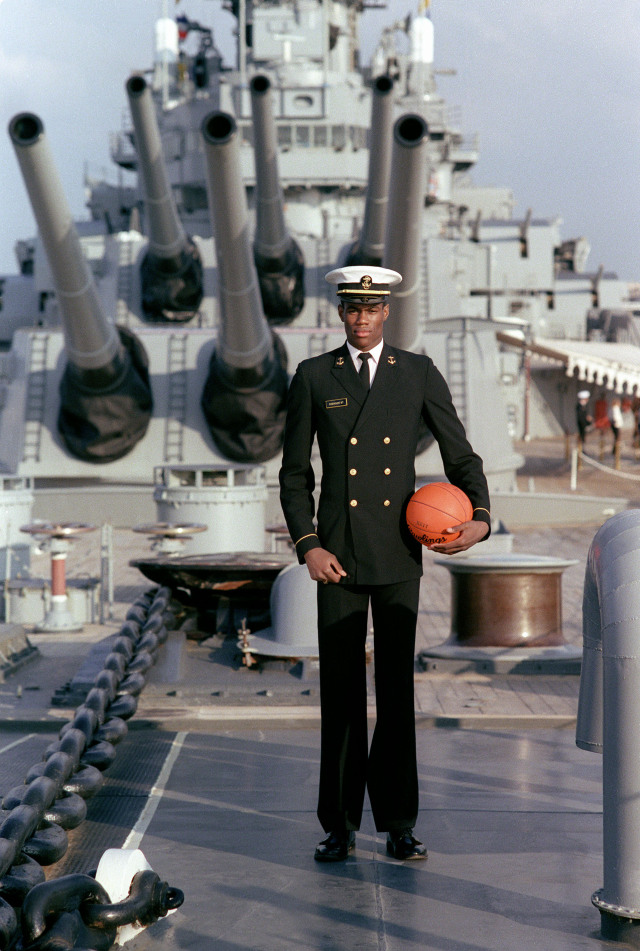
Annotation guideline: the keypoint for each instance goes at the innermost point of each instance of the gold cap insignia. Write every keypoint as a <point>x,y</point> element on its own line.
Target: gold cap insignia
<point>366,282</point>
<point>391,361</point>
<point>340,362</point>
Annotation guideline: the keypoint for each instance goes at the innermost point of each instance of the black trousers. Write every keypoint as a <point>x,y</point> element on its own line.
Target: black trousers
<point>347,767</point>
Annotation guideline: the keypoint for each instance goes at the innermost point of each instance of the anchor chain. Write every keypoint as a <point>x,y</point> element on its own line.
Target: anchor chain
<point>35,816</point>
<point>75,911</point>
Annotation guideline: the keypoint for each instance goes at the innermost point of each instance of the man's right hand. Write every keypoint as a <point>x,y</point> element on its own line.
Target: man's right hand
<point>323,566</point>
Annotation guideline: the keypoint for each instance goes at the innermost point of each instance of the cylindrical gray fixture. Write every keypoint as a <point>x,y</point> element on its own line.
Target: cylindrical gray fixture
<point>167,238</point>
<point>371,244</point>
<point>230,500</point>
<point>403,236</point>
<point>608,713</point>
<point>91,341</point>
<point>244,339</point>
<point>271,238</point>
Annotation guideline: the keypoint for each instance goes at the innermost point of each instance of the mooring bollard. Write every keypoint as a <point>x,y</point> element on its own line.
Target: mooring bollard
<point>607,714</point>
<point>506,614</point>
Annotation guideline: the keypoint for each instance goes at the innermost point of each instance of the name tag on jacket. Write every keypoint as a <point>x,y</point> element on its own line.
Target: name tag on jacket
<point>334,404</point>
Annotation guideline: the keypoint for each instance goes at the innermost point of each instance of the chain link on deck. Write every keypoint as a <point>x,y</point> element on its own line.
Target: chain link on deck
<point>75,911</point>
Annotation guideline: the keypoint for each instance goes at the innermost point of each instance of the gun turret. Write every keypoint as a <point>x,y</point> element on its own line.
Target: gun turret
<point>369,247</point>
<point>402,239</point>
<point>244,396</point>
<point>105,395</point>
<point>171,271</point>
<point>277,255</point>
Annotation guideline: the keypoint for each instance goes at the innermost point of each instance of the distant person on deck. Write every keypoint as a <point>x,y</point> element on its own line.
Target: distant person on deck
<point>584,420</point>
<point>635,434</point>
<point>615,418</point>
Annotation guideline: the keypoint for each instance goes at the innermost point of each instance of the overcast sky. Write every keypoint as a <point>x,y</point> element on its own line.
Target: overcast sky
<point>550,86</point>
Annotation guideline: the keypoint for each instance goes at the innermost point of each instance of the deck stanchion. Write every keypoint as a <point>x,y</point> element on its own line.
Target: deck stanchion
<point>58,538</point>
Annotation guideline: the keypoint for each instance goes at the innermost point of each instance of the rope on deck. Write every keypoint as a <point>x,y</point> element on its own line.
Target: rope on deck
<point>614,472</point>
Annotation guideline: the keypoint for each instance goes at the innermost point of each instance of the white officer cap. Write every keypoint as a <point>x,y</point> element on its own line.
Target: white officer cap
<point>584,395</point>
<point>362,283</point>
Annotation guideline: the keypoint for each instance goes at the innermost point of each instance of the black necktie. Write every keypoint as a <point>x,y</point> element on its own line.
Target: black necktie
<point>363,372</point>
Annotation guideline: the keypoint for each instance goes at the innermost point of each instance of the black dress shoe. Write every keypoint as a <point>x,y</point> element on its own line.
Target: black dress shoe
<point>403,845</point>
<point>335,847</point>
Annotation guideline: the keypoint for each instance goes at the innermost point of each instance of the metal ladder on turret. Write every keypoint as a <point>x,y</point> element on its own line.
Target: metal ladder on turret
<point>35,397</point>
<point>176,398</point>
<point>424,286</point>
<point>125,282</point>
<point>457,372</point>
<point>318,341</point>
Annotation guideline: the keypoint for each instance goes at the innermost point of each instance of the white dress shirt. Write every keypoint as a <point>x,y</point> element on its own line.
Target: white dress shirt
<point>373,362</point>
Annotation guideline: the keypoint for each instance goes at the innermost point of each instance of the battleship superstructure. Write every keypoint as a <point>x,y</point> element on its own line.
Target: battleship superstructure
<point>163,330</point>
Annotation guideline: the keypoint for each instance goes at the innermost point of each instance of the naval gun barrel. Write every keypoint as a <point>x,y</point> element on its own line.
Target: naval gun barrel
<point>278,257</point>
<point>369,247</point>
<point>245,392</point>
<point>171,272</point>
<point>105,395</point>
<point>404,227</point>
<point>91,342</point>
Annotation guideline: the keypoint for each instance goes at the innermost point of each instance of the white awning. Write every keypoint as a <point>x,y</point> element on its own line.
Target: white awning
<point>615,366</point>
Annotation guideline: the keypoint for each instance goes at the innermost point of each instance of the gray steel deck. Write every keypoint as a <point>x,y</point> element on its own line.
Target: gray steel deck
<point>511,818</point>
<point>510,808</point>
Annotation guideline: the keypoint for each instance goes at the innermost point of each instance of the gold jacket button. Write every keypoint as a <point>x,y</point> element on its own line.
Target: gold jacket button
<point>353,441</point>
<point>353,471</point>
<point>387,502</point>
<point>387,440</point>
<point>387,471</point>
<point>353,503</point>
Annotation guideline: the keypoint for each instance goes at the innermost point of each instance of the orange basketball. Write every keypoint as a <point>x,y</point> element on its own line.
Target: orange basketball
<point>434,507</point>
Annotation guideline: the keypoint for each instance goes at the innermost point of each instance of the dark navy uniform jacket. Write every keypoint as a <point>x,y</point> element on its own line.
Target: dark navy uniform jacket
<point>367,446</point>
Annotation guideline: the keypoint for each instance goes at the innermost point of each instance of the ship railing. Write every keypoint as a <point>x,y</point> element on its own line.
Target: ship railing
<point>122,151</point>
<point>307,134</point>
<point>311,134</point>
<point>308,102</point>
<point>465,144</point>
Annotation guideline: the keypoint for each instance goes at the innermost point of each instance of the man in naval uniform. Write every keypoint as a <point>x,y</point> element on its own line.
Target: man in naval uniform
<point>365,403</point>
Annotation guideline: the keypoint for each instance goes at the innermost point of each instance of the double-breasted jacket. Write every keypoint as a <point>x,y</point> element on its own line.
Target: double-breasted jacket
<point>367,445</point>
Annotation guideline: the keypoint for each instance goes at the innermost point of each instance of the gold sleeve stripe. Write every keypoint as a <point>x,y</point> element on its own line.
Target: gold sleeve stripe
<point>310,535</point>
<point>480,509</point>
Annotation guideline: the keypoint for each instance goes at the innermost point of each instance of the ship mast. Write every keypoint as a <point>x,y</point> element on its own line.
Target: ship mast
<point>164,63</point>
<point>242,41</point>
